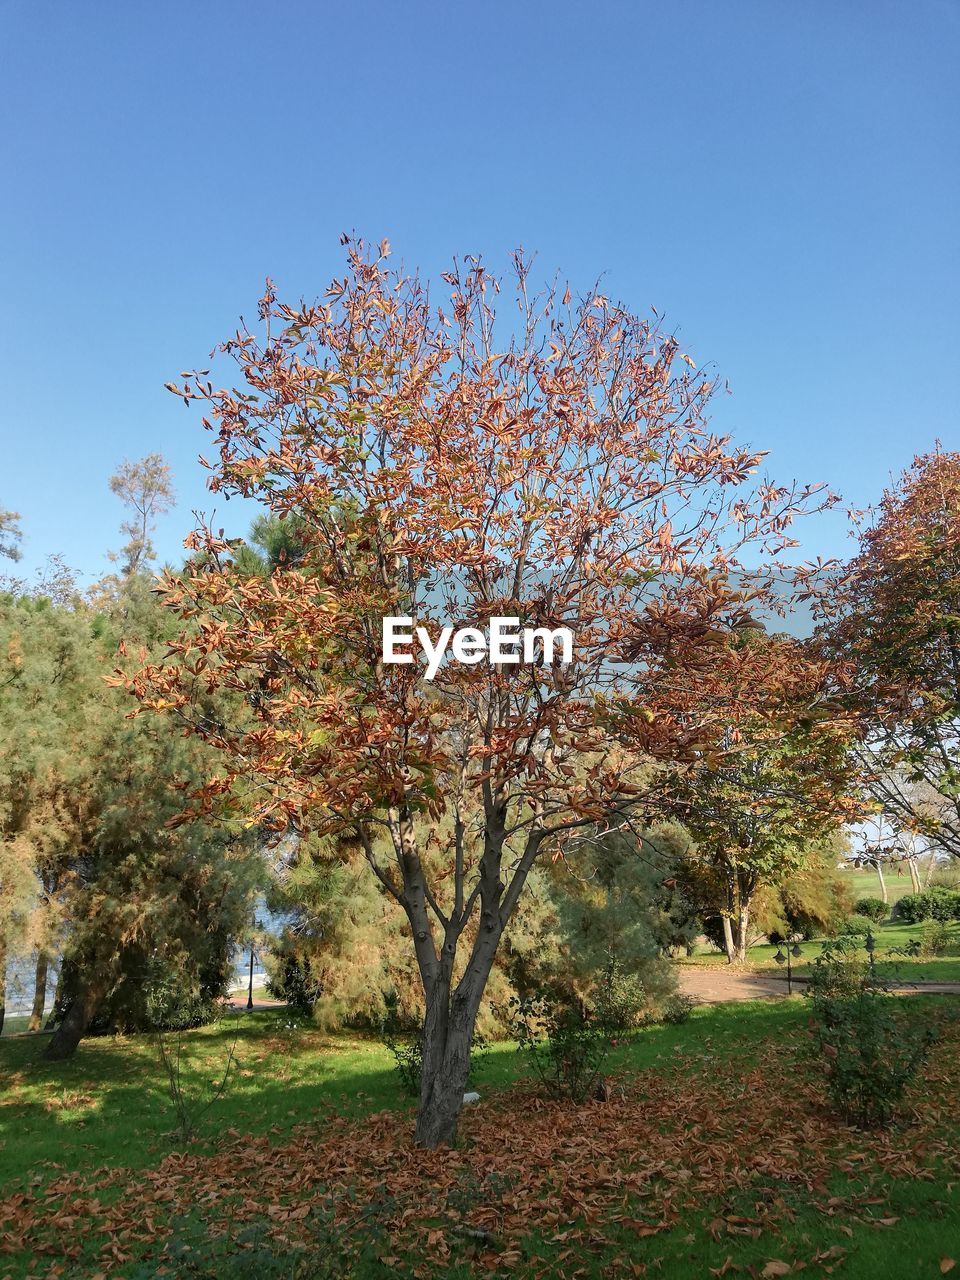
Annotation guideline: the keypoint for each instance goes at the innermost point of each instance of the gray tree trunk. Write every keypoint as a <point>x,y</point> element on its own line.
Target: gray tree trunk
<point>728,939</point>
<point>57,997</point>
<point>3,981</point>
<point>39,993</point>
<point>883,884</point>
<point>64,1041</point>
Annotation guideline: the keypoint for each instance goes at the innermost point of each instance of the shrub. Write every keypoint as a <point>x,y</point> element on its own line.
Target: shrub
<point>291,980</point>
<point>855,927</point>
<point>869,1055</point>
<point>621,997</point>
<point>404,1039</point>
<point>676,1009</point>
<point>189,1107</point>
<point>565,1042</point>
<point>935,938</point>
<point>874,909</point>
<point>934,904</point>
<point>840,970</point>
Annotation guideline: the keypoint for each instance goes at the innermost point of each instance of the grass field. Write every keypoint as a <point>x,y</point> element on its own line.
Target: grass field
<point>889,938</point>
<point>865,884</point>
<point>714,1145</point>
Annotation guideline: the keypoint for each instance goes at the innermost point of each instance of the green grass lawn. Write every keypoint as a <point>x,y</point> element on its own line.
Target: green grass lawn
<point>889,937</point>
<point>714,1145</point>
<point>865,884</point>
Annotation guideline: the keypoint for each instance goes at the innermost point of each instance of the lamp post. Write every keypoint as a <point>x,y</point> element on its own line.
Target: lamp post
<point>780,958</point>
<point>871,945</point>
<point>252,954</point>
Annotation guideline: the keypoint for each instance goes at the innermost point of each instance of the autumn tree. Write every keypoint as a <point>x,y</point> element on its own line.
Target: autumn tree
<point>445,465</point>
<point>47,673</point>
<point>145,488</point>
<point>894,616</point>
<point>10,534</point>
<point>782,784</point>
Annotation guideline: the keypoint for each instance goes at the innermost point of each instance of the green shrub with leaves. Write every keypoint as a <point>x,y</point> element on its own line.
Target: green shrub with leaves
<point>934,904</point>
<point>936,938</point>
<point>874,909</point>
<point>676,1009</point>
<point>869,1055</point>
<point>856,927</point>
<point>565,1041</point>
<point>621,997</point>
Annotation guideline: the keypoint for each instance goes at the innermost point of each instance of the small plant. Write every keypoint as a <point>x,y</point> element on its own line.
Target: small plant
<point>869,1056</point>
<point>676,1008</point>
<point>855,926</point>
<point>407,1053</point>
<point>620,997</point>
<point>874,909</point>
<point>936,937</point>
<point>189,1111</point>
<point>405,1042</point>
<point>566,1043</point>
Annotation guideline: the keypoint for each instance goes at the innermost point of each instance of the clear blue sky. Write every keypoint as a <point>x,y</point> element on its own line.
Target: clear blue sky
<point>780,179</point>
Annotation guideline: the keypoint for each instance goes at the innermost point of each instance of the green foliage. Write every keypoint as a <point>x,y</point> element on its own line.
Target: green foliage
<point>290,980</point>
<point>565,1042</point>
<point>869,1056</point>
<point>621,998</point>
<point>934,904</point>
<point>614,910</point>
<point>874,909</point>
<point>936,938</point>
<point>855,926</point>
<point>676,1009</point>
<point>169,1008</point>
<point>343,951</point>
<point>91,804</point>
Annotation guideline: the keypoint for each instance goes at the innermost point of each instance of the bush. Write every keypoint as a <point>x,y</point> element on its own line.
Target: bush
<point>934,904</point>
<point>291,980</point>
<point>676,1009</point>
<point>936,938</point>
<point>621,997</point>
<point>565,1042</point>
<point>874,909</point>
<point>855,927</point>
<point>869,1055</point>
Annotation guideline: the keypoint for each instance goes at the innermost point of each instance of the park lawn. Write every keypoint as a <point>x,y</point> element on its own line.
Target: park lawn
<point>889,937</point>
<point>715,1144</point>
<point>865,884</point>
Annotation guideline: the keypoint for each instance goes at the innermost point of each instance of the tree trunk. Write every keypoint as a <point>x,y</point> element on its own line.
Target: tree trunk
<point>446,1068</point>
<point>743,926</point>
<point>39,993</point>
<point>914,874</point>
<point>3,981</point>
<point>883,884</point>
<point>57,997</point>
<point>728,939</point>
<point>64,1041</point>
<point>447,1036</point>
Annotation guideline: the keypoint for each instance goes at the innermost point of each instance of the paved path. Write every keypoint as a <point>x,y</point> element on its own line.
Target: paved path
<point>715,985</point>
